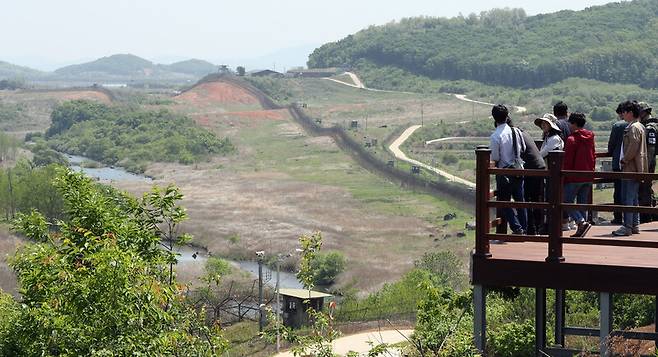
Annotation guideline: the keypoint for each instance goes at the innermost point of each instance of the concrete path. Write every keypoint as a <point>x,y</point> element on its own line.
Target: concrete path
<point>359,342</point>
<point>463,97</point>
<point>395,149</point>
<point>451,138</point>
<point>360,84</point>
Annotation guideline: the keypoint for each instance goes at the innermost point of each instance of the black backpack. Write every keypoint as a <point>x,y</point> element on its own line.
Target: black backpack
<point>652,132</point>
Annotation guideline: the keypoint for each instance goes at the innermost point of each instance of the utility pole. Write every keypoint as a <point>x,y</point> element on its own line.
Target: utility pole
<point>473,118</point>
<point>422,119</point>
<point>278,307</point>
<point>11,195</point>
<point>261,307</point>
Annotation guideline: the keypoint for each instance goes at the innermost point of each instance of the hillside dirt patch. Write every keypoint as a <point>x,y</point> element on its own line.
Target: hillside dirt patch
<point>85,95</point>
<point>36,107</point>
<point>217,92</point>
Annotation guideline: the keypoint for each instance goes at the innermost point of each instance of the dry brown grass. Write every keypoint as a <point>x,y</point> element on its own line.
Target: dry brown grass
<point>269,211</point>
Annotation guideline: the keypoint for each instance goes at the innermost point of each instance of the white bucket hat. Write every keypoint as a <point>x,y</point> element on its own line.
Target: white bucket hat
<point>550,119</point>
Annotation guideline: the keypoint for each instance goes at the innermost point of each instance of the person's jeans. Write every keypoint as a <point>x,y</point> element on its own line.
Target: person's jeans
<point>629,191</point>
<point>617,198</point>
<point>508,188</point>
<point>532,189</point>
<point>579,191</point>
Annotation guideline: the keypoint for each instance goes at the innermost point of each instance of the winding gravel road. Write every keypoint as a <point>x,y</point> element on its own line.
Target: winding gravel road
<point>395,149</point>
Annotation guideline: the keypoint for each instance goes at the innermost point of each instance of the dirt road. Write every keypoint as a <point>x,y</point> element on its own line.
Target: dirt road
<point>451,138</point>
<point>395,149</point>
<point>360,85</point>
<point>519,110</point>
<point>359,342</point>
<point>462,97</point>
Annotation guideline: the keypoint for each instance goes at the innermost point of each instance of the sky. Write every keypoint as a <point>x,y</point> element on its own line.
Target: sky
<point>47,34</point>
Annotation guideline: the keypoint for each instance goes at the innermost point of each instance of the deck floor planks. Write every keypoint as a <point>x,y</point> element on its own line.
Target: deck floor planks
<point>588,254</point>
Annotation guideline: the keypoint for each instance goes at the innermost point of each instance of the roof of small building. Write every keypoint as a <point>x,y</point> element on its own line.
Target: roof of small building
<point>315,70</point>
<point>303,293</point>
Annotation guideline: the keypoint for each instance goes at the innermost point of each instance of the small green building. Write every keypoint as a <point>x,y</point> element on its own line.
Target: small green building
<point>294,308</point>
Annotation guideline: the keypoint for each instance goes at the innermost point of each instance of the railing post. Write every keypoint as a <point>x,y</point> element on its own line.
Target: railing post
<point>482,222</point>
<point>555,211</point>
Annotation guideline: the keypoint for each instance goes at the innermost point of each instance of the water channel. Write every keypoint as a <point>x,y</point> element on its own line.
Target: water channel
<point>103,173</point>
<point>188,255</point>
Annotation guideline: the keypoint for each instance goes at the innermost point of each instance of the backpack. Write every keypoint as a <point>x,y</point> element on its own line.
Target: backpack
<point>652,131</point>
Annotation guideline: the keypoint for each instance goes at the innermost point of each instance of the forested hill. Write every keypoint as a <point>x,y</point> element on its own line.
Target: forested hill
<point>8,70</point>
<point>617,42</point>
<point>131,65</point>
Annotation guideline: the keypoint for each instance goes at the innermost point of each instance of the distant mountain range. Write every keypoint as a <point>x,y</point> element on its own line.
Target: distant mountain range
<point>8,70</point>
<point>115,67</point>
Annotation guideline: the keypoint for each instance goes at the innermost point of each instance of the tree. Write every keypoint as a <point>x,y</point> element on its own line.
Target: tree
<point>326,267</point>
<point>241,71</point>
<point>98,285</point>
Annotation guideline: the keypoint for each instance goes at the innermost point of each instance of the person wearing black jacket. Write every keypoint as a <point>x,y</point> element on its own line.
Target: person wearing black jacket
<point>646,194</point>
<point>561,112</point>
<point>614,149</point>
<point>532,186</point>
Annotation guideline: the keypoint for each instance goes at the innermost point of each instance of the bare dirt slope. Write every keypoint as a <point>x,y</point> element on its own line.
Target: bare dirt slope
<point>35,107</point>
<point>217,92</point>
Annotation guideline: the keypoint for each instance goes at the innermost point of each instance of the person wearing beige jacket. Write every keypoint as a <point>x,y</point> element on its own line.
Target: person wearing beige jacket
<point>633,159</point>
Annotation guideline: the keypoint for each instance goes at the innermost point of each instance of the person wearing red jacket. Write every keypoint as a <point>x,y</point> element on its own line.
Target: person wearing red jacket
<point>578,155</point>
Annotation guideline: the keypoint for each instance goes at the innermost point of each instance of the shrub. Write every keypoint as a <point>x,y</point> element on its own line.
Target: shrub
<point>449,159</point>
<point>445,268</point>
<point>326,267</point>
<point>602,114</point>
<point>513,339</point>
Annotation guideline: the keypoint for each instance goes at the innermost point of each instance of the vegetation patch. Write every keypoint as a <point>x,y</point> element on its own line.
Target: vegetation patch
<point>506,47</point>
<point>130,137</point>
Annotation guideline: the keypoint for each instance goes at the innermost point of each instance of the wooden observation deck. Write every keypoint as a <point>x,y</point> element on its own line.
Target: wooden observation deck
<point>598,262</point>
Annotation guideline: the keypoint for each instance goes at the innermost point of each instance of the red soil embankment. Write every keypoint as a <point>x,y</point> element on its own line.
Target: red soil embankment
<point>88,95</point>
<point>218,92</point>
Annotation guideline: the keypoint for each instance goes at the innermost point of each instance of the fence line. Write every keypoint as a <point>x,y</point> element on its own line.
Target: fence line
<point>345,142</point>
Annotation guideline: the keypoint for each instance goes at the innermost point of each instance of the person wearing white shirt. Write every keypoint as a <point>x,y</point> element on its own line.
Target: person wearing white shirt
<point>551,137</point>
<point>506,154</point>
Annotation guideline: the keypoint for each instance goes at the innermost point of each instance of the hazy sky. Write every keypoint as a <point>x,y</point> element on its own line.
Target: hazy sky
<point>49,32</point>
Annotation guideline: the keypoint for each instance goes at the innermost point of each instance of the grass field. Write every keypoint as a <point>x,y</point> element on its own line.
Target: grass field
<point>283,183</point>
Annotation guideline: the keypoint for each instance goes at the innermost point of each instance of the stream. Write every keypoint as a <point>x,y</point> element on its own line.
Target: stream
<point>105,173</point>
<point>101,172</point>
<point>287,280</point>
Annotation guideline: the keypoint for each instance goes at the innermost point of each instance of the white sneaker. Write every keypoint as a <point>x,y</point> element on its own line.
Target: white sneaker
<point>623,231</point>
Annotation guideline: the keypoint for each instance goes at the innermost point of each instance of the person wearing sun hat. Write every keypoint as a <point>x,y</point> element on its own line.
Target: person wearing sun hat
<point>551,134</point>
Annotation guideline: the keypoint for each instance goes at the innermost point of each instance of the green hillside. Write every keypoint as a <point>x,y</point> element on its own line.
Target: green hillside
<point>120,64</point>
<point>131,65</point>
<point>615,43</point>
<point>193,66</point>
<point>10,71</point>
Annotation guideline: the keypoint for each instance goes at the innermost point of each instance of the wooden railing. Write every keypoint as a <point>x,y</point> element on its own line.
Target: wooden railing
<point>553,206</point>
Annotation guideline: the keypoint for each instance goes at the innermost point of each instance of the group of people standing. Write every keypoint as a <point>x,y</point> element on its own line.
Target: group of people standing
<point>632,145</point>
